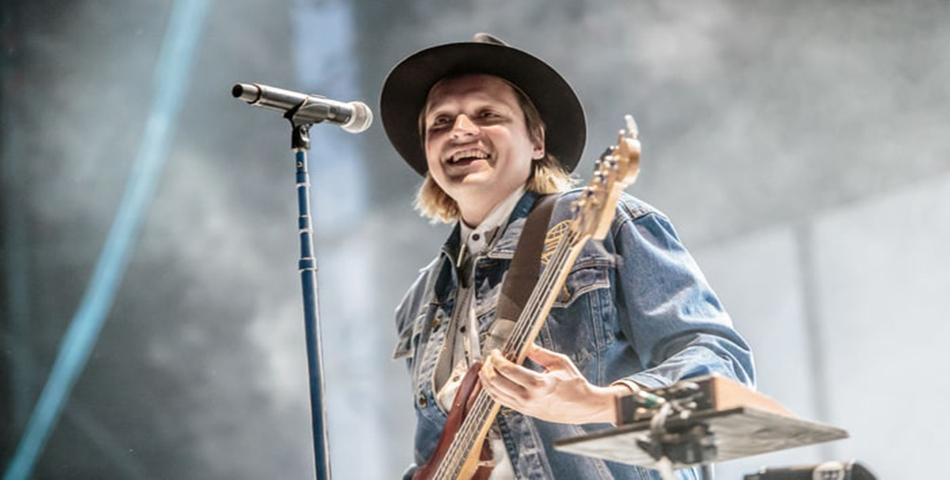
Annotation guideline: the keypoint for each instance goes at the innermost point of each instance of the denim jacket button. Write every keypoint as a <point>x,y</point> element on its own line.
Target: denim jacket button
<point>435,323</point>
<point>563,295</point>
<point>422,401</point>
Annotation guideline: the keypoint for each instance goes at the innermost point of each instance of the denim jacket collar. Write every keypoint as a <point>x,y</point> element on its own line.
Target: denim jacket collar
<point>503,247</point>
<point>509,237</point>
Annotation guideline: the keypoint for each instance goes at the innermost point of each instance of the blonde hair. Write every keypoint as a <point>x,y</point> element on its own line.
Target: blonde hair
<point>547,174</point>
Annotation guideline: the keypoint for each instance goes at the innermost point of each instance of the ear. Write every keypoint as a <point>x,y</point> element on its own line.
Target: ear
<point>538,152</point>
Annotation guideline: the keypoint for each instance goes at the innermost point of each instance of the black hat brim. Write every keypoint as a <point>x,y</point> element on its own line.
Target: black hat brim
<point>407,87</point>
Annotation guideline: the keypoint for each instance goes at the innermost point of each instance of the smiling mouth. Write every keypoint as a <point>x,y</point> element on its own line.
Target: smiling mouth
<point>466,156</point>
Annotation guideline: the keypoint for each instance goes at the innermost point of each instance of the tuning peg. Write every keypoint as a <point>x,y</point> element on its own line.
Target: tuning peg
<point>581,201</point>
<point>632,129</point>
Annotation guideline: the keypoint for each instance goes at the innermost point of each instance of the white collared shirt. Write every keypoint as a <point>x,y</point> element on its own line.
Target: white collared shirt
<point>476,240</point>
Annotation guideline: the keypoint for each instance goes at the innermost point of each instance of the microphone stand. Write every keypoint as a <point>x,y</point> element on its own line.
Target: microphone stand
<point>303,111</point>
<point>300,145</point>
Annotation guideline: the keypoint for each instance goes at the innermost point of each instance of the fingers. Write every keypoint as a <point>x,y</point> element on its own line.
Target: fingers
<point>547,358</point>
<point>513,372</point>
<point>510,384</point>
<point>504,391</point>
<point>560,394</point>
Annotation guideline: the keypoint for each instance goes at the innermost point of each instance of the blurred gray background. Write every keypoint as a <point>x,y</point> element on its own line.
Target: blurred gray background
<point>799,148</point>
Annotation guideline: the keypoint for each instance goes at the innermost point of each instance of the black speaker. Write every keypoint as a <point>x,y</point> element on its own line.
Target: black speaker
<point>826,471</point>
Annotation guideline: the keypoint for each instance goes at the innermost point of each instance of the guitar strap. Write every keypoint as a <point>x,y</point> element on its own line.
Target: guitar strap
<point>522,274</point>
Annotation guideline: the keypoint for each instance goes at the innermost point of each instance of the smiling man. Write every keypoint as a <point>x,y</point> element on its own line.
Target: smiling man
<point>491,129</point>
<point>478,148</point>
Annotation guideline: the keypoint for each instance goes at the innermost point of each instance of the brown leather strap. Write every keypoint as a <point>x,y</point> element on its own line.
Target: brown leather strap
<point>526,265</point>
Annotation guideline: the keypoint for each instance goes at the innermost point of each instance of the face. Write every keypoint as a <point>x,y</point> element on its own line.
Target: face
<point>477,145</point>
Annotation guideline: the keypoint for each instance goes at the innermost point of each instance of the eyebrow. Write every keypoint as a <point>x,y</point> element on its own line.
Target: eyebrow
<point>436,109</point>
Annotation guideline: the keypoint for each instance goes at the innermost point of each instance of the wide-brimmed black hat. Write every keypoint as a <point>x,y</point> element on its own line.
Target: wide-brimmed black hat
<point>407,88</point>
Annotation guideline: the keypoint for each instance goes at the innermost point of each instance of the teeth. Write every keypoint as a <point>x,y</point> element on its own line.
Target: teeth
<point>467,154</point>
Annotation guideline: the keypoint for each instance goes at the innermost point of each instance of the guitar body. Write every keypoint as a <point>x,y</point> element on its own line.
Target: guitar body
<point>464,399</point>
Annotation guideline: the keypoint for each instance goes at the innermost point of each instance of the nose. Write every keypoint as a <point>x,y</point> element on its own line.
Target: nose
<point>464,126</point>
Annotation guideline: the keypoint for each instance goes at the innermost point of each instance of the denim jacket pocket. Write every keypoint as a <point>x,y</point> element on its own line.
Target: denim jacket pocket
<point>580,281</point>
<point>576,326</point>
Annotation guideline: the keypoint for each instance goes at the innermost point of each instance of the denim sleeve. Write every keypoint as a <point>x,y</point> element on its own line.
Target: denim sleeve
<point>673,320</point>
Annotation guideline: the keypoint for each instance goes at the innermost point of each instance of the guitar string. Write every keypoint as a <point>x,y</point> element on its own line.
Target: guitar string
<point>484,403</point>
<point>480,409</point>
<point>516,341</point>
<point>519,338</point>
<point>459,451</point>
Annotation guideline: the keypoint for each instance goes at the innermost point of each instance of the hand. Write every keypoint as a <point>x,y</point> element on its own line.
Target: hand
<point>558,394</point>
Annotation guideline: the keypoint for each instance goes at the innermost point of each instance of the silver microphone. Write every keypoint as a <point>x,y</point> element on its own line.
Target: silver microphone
<point>354,117</point>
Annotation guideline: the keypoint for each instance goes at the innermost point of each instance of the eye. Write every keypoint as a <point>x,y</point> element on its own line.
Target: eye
<point>488,114</point>
<point>439,122</point>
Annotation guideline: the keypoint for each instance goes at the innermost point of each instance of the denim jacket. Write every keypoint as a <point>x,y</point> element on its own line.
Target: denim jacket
<point>634,306</point>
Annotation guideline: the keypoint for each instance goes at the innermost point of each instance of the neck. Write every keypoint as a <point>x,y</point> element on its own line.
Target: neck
<point>474,212</point>
<point>473,216</point>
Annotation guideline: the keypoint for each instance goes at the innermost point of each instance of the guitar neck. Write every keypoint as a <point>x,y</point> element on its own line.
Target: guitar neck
<point>542,298</point>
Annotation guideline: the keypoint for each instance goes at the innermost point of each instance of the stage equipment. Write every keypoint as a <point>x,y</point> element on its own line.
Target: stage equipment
<point>697,422</point>
<point>303,111</point>
<point>826,471</point>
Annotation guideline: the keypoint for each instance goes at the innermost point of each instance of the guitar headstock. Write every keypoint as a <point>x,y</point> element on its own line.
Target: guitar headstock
<point>617,168</point>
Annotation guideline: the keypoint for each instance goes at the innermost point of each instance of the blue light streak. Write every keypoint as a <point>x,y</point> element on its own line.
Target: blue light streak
<point>171,81</point>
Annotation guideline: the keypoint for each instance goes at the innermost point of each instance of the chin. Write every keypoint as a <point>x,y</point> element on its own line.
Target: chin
<point>473,179</point>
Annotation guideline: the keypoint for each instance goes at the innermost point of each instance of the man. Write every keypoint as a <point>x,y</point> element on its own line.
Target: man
<point>491,128</point>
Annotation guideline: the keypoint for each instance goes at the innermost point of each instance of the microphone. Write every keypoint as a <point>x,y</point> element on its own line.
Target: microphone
<point>354,117</point>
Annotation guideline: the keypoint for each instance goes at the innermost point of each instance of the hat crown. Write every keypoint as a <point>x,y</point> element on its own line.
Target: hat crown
<point>483,37</point>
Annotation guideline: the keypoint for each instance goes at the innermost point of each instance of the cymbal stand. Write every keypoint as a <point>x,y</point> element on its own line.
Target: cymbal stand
<point>686,445</point>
